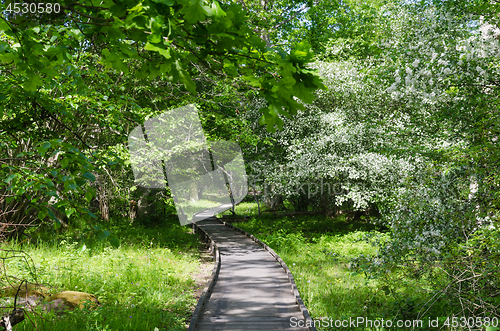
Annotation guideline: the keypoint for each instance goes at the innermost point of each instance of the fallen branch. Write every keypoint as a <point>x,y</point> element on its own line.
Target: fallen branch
<point>9,320</point>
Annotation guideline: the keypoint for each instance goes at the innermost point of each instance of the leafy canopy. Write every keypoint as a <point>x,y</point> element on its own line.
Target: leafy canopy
<point>167,37</point>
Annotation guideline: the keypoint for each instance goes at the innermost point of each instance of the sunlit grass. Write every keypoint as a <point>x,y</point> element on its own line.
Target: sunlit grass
<point>144,284</point>
<point>320,251</point>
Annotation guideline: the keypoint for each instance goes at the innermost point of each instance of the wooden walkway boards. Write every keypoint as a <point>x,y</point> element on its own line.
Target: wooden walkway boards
<point>252,291</point>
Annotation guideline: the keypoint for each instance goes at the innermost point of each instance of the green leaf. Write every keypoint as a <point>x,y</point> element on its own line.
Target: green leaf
<point>118,10</point>
<point>114,241</point>
<point>89,176</point>
<point>271,118</point>
<point>155,38</point>
<point>80,182</point>
<point>193,11</point>
<point>57,223</point>
<point>42,214</point>
<point>88,195</point>
<point>301,53</point>
<point>165,2</point>
<point>111,59</point>
<point>103,235</point>
<point>303,93</point>
<point>252,80</point>
<point>9,178</point>
<point>70,211</point>
<point>217,10</point>
<point>8,57</point>
<point>185,78</point>
<point>4,26</point>
<point>162,51</point>
<point>32,83</point>
<point>43,149</point>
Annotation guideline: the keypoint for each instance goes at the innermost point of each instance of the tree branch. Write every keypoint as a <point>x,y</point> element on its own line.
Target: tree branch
<point>88,16</point>
<point>66,127</point>
<point>304,7</point>
<point>87,7</point>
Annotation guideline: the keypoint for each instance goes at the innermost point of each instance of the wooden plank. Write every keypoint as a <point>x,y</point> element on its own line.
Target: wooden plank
<point>234,314</point>
<point>216,327</point>
<point>252,290</point>
<point>267,326</point>
<point>281,318</point>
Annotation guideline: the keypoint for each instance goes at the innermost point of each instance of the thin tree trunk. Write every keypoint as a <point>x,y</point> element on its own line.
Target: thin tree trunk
<point>103,199</point>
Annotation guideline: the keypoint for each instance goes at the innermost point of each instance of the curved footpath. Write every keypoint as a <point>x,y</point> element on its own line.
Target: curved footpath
<point>251,287</point>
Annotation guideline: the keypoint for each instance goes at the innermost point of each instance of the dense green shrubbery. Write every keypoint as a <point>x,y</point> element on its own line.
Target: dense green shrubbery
<point>327,258</point>
<point>414,130</point>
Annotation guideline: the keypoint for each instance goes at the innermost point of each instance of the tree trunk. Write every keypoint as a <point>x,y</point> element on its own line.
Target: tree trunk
<point>194,192</point>
<point>9,320</point>
<point>103,198</point>
<point>275,202</point>
<point>132,213</point>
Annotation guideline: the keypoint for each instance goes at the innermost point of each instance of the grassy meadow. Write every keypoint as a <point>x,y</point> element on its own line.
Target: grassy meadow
<point>322,254</point>
<point>148,283</point>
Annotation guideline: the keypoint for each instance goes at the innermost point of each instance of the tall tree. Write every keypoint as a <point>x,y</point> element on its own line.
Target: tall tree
<point>68,97</point>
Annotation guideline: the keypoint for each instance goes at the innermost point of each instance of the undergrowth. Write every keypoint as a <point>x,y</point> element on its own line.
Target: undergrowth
<point>145,284</point>
<point>326,255</point>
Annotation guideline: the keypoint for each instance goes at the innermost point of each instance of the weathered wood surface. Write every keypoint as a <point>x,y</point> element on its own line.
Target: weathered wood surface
<point>252,291</point>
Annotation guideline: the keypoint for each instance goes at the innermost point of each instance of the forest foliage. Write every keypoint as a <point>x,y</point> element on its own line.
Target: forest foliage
<point>383,108</point>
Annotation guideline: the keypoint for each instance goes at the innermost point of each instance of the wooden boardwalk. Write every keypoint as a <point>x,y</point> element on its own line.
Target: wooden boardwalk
<point>251,290</point>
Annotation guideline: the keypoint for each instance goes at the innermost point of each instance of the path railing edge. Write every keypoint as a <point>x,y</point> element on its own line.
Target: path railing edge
<point>307,317</point>
<point>207,291</point>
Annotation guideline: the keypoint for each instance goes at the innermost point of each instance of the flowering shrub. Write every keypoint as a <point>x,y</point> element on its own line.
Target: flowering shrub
<point>327,156</point>
<point>415,131</point>
<point>444,220</point>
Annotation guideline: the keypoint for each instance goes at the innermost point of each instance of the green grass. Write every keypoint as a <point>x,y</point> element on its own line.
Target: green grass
<point>145,284</point>
<point>320,253</point>
<point>247,208</point>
